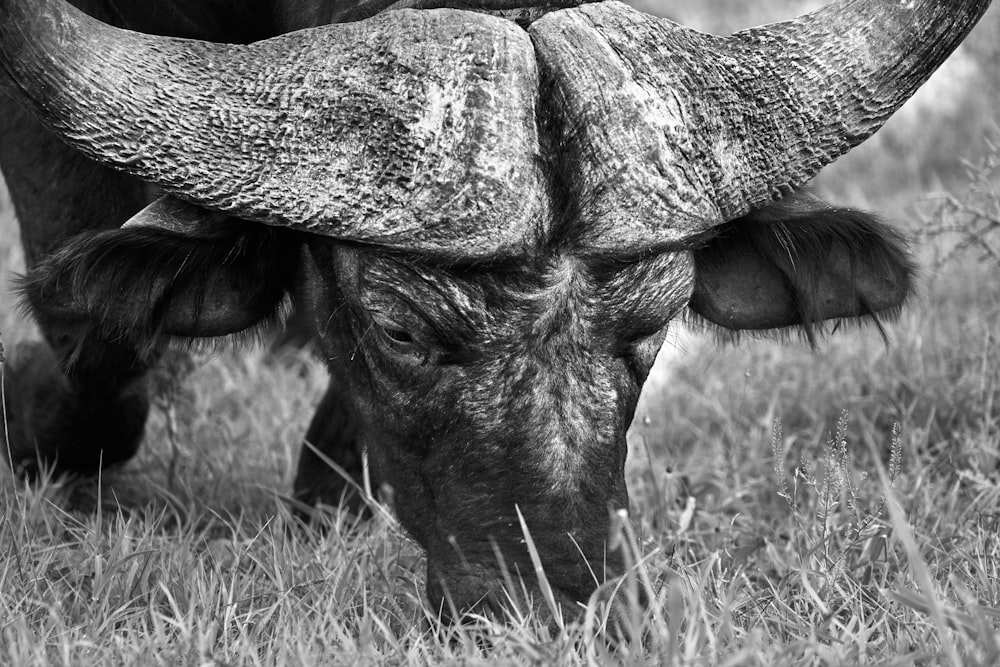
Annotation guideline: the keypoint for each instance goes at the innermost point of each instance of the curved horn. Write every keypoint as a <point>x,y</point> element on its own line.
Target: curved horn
<point>673,131</point>
<point>411,129</point>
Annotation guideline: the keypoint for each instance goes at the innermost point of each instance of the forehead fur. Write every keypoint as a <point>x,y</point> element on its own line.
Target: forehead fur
<point>638,291</point>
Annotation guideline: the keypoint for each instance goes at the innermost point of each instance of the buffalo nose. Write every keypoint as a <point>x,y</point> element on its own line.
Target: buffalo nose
<point>458,594</point>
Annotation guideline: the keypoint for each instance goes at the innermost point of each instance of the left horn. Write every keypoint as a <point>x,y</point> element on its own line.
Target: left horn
<point>672,131</point>
<point>410,129</point>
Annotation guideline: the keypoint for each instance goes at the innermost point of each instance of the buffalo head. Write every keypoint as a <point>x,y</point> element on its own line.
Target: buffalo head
<point>493,224</point>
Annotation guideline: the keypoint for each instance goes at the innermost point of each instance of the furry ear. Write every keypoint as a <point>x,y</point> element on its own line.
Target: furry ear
<point>797,263</point>
<point>138,285</point>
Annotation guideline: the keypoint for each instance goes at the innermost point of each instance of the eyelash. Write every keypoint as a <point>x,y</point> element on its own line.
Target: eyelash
<point>410,351</point>
<point>404,336</point>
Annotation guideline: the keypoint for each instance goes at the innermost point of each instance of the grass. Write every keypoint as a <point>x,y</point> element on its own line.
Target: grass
<point>188,557</point>
<point>763,520</point>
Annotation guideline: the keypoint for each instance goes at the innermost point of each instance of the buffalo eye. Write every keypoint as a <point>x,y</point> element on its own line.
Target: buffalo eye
<point>401,342</point>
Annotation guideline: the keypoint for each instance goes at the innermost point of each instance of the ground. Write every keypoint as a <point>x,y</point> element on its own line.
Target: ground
<point>758,474</point>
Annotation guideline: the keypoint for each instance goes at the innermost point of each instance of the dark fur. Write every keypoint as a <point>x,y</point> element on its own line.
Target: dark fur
<point>52,422</point>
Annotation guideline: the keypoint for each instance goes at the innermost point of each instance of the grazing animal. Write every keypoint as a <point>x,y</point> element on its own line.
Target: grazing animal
<point>493,214</point>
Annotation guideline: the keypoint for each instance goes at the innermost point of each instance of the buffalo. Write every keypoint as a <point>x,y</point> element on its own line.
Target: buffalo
<point>491,213</point>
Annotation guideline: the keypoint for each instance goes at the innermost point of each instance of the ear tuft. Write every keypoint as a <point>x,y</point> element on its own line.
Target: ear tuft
<point>799,263</point>
<point>140,285</point>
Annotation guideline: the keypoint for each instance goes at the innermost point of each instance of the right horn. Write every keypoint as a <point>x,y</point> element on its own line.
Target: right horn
<point>670,131</point>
